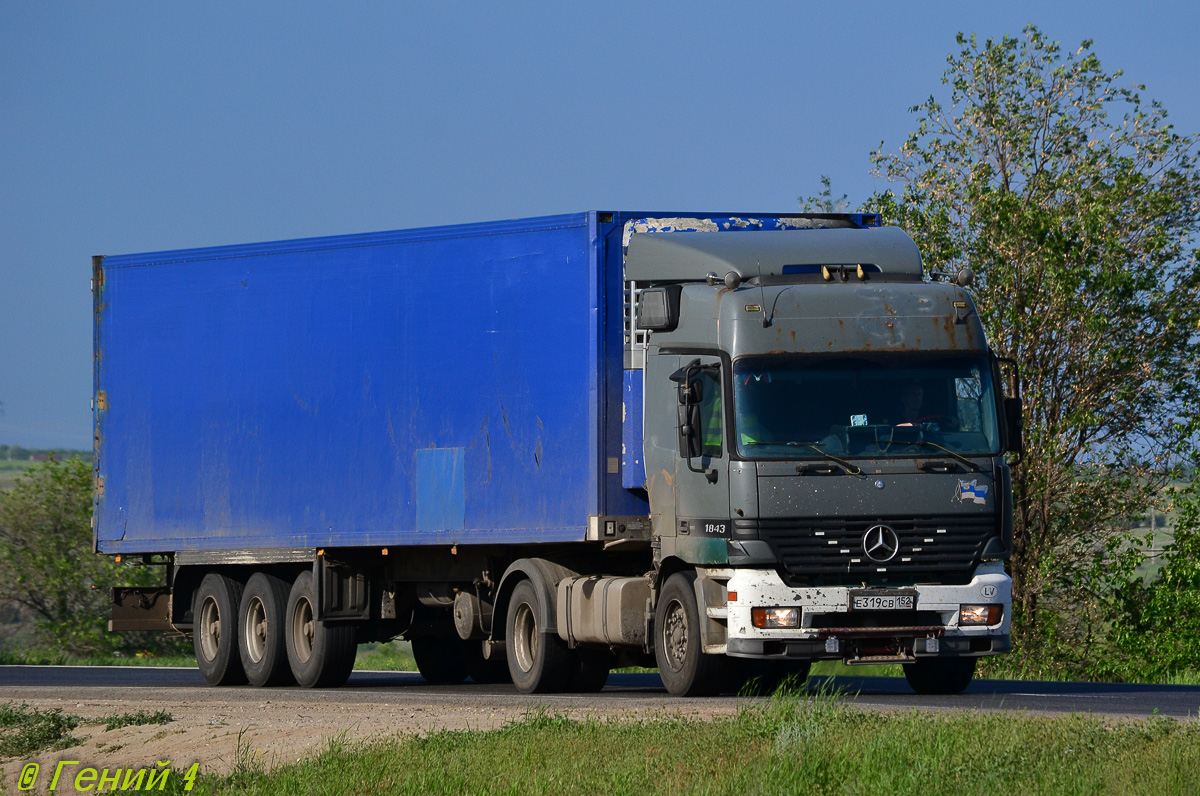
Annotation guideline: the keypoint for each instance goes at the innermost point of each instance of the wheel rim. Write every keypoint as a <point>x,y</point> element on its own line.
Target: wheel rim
<point>210,629</point>
<point>255,629</point>
<point>303,629</point>
<point>675,635</point>
<point>525,639</point>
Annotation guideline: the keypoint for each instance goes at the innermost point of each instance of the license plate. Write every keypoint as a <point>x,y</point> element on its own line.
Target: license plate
<point>883,602</point>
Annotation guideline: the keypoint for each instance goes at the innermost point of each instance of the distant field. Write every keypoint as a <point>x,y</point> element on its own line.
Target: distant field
<point>10,472</point>
<point>12,469</point>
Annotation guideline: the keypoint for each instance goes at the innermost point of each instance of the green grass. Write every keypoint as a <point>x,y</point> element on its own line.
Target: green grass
<point>26,730</point>
<point>394,656</point>
<point>36,658</point>
<point>839,669</point>
<point>792,744</point>
<point>118,720</point>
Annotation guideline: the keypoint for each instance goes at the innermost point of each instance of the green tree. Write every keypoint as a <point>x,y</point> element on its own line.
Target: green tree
<point>47,565</point>
<point>1158,625</point>
<point>1076,204</point>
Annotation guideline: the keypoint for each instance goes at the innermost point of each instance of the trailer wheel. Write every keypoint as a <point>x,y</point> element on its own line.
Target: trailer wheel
<point>441,660</point>
<point>684,668</point>
<point>215,633</point>
<point>539,662</point>
<point>940,675</point>
<point>320,654</point>
<point>261,640</point>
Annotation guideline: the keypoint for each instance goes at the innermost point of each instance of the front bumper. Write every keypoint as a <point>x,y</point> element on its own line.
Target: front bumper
<point>830,630</point>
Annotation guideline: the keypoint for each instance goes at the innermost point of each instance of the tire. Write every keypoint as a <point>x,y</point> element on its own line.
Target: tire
<point>482,670</point>
<point>940,675</point>
<point>539,662</point>
<point>684,668</point>
<point>441,660</point>
<point>261,630</point>
<point>763,678</point>
<point>591,671</point>
<point>215,630</point>
<point>319,654</point>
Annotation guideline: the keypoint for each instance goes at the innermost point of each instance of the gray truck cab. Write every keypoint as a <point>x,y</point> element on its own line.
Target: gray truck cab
<point>825,435</point>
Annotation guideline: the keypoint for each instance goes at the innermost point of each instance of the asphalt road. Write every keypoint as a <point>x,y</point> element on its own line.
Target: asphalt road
<point>17,682</point>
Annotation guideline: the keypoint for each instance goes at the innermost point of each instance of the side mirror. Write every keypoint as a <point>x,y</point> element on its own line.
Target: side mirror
<point>1014,423</point>
<point>690,440</point>
<point>690,388</point>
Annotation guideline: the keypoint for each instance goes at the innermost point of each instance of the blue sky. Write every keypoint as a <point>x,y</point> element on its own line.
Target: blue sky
<point>129,127</point>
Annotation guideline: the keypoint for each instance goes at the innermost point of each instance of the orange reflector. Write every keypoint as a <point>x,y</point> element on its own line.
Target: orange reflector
<point>117,559</point>
<point>732,597</point>
<point>384,551</point>
<point>321,552</point>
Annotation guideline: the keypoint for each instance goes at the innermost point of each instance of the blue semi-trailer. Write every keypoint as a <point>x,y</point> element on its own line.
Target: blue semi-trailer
<point>723,444</point>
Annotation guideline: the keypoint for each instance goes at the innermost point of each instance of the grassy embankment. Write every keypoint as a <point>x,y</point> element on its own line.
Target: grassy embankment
<point>26,730</point>
<point>792,744</point>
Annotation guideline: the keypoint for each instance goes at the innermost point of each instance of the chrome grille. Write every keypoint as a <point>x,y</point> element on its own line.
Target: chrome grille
<point>829,552</point>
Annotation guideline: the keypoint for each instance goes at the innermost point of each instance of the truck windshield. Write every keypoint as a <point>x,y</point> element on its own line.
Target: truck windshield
<point>893,405</point>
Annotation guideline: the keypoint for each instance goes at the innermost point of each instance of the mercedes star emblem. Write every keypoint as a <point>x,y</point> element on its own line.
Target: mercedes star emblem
<point>881,543</point>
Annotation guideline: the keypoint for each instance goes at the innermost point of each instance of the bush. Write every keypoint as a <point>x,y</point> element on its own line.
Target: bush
<point>1157,626</point>
<point>48,567</point>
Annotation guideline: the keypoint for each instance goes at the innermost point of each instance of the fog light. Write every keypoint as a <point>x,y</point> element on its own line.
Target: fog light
<point>980,614</point>
<point>775,617</point>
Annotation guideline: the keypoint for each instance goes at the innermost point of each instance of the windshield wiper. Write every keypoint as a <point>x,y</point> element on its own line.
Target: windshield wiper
<point>850,468</point>
<point>847,466</point>
<point>949,452</point>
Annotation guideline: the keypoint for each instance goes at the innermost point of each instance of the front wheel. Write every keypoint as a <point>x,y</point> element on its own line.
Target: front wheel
<point>684,668</point>
<point>940,675</point>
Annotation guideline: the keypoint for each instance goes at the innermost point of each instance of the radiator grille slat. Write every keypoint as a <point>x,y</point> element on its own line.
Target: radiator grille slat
<point>808,559</point>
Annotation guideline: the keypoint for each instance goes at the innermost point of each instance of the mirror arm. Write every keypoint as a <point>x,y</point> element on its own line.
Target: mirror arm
<point>687,430</point>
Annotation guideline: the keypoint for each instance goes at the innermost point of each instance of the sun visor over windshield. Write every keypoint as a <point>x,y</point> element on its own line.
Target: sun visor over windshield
<point>691,255</point>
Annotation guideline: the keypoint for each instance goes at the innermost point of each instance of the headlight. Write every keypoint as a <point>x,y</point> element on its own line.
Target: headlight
<point>775,617</point>
<point>980,614</point>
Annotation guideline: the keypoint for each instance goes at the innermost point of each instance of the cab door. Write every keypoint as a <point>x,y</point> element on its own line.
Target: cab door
<point>702,456</point>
